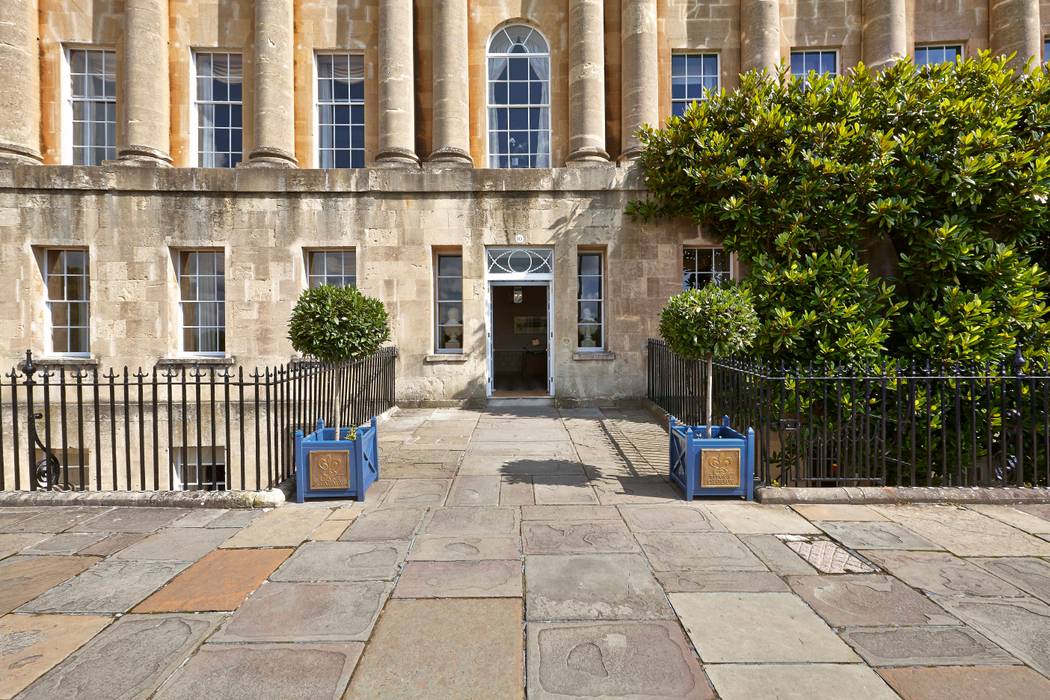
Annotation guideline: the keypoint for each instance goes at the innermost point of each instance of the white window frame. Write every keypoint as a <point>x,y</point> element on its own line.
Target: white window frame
<point>489,106</point>
<point>66,98</point>
<point>702,53</point>
<point>49,342</point>
<point>178,252</point>
<point>316,101</point>
<point>601,300</point>
<point>208,459</point>
<point>939,45</point>
<point>194,141</point>
<point>310,252</point>
<point>815,49</point>
<point>437,302</point>
<point>731,259</point>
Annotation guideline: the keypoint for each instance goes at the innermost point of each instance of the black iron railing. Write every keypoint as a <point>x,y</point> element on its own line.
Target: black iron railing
<point>177,427</point>
<point>896,425</point>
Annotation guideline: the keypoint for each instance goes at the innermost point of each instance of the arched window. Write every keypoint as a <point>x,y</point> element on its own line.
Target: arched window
<point>519,99</point>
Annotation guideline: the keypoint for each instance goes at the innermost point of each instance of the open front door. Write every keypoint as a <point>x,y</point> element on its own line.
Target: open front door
<point>520,345</point>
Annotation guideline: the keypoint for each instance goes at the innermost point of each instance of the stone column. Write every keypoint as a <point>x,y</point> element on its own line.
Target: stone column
<point>587,82</point>
<point>397,106</point>
<point>147,128</point>
<point>759,35</point>
<point>274,108</point>
<point>885,33</point>
<point>1014,28</point>
<point>451,84</point>
<point>640,60</point>
<point>20,86</point>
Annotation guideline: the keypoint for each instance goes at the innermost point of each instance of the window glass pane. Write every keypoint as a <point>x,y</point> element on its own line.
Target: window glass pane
<point>93,101</point>
<point>518,137</point>
<point>590,264</point>
<point>218,109</point>
<point>67,284</point>
<point>450,265</point>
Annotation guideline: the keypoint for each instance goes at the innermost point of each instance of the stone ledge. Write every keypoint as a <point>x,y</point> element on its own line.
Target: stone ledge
<point>173,499</point>
<point>902,494</point>
<point>452,357</point>
<point>192,361</point>
<point>597,356</point>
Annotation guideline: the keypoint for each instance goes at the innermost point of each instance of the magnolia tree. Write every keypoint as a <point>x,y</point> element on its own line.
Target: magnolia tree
<point>701,323</point>
<point>336,324</point>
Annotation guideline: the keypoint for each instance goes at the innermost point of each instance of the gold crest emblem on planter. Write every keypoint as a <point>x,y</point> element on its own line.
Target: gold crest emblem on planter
<point>329,470</point>
<point>720,468</point>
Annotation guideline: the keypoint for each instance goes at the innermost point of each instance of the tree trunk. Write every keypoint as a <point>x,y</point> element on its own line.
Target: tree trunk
<point>710,393</point>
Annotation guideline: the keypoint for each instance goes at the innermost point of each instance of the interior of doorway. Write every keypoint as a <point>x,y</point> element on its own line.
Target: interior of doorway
<point>520,340</point>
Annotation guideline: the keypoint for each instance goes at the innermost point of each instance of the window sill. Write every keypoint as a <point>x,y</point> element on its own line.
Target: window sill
<point>443,357</point>
<point>65,361</point>
<point>595,356</point>
<point>202,361</point>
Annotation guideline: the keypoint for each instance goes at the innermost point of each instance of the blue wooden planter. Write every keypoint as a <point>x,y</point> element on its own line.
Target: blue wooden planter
<point>720,465</point>
<point>330,468</point>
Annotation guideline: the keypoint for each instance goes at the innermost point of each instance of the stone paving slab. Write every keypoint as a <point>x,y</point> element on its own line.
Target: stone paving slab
<point>177,544</point>
<point>563,490</point>
<point>953,683</point>
<point>287,526</point>
<point>837,511</point>
<point>237,518</point>
<point>776,555</point>
<point>593,587</point>
<point>647,518</point>
<point>137,519</point>
<point>1021,626</point>
<point>251,671</point>
<point>108,587</point>
<point>942,573</point>
<point>572,537</point>
<point>475,491</point>
<point>434,548</point>
<point>24,578</point>
<point>385,524</point>
<point>30,645</point>
<point>200,517</point>
<point>755,519</point>
<point>11,517</point>
<point>515,491</point>
<point>876,535</point>
<point>639,660</point>
<point>1015,517</point>
<point>451,648</point>
<point>472,521</point>
<point>964,532</point>
<point>15,542</point>
<point>329,531</point>
<point>460,579</point>
<point>1027,573</point>
<point>867,600</point>
<point>569,512</point>
<point>134,654</point>
<point>344,561</point>
<point>307,612</point>
<point>635,489</point>
<point>418,492</point>
<point>728,582</point>
<point>798,682</point>
<point>700,551</point>
<point>757,627</point>
<point>218,582</point>
<point>55,520</point>
<point>931,645</point>
<point>112,544</point>
<point>65,543</point>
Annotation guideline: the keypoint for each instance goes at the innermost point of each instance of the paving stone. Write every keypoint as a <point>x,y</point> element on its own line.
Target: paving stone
<point>573,537</point>
<point>1016,517</point>
<point>797,681</point>
<point>1027,573</point>
<point>1019,625</point>
<point>433,548</point>
<point>875,535</point>
<point>636,489</point>
<point>570,512</point>
<point>593,587</point>
<point>418,492</point>
<point>31,645</point>
<point>200,517</point>
<point>453,648</point>
<point>220,581</point>
<point>698,551</point>
<point>727,582</point>
<point>639,660</point>
<point>460,579</point>
<point>132,519</point>
<point>757,519</point>
<point>13,516</point>
<point>776,555</point>
<point>867,600</point>
<point>476,522</point>
<point>497,459</point>
<point>397,470</point>
<point>563,490</point>
<point>836,511</point>
<point>54,520</point>
<point>65,543</point>
<point>110,586</point>
<point>15,542</point>
<point>133,655</point>
<point>1039,510</point>
<point>288,526</point>
<point>666,518</point>
<point>113,543</point>
<point>385,524</point>
<point>344,561</point>
<point>237,518</point>
<point>930,645</point>
<point>473,490</point>
<point>24,578</point>
<point>954,682</point>
<point>757,627</point>
<point>177,544</point>
<point>329,531</point>
<point>966,533</point>
<point>307,612</point>
<point>943,573</point>
<point>516,491</point>
<point>826,556</point>
<point>347,514</point>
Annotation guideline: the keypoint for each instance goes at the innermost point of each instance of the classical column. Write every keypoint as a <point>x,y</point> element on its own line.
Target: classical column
<point>274,114</point>
<point>587,82</point>
<point>397,127</point>
<point>1014,28</point>
<point>451,84</point>
<point>20,86</point>
<point>145,86</point>
<point>640,89</point>
<point>759,35</point>
<point>884,33</point>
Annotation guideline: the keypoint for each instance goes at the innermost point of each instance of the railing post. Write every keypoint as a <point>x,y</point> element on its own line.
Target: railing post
<point>28,369</point>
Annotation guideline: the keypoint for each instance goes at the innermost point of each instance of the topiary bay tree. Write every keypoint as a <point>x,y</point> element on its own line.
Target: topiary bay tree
<point>336,324</point>
<point>714,320</point>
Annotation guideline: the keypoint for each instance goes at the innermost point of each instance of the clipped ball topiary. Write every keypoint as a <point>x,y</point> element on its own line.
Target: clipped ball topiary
<point>333,324</point>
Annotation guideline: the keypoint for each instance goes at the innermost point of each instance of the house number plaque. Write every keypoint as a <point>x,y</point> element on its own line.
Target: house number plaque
<point>329,470</point>
<point>720,468</point>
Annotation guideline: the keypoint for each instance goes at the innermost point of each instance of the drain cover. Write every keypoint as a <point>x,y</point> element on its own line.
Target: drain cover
<point>826,556</point>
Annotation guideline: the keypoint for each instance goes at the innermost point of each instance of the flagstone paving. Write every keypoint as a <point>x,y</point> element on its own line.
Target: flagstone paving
<point>525,552</point>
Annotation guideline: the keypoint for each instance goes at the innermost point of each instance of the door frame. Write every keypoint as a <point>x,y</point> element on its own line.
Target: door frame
<point>524,281</point>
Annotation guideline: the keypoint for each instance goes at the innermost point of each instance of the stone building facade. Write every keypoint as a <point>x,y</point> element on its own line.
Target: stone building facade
<point>432,152</point>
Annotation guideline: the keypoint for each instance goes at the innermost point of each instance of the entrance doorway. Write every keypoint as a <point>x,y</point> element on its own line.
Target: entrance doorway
<point>519,349</point>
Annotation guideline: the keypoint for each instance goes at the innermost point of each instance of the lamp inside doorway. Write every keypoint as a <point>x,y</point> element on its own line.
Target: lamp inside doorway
<point>518,297</point>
